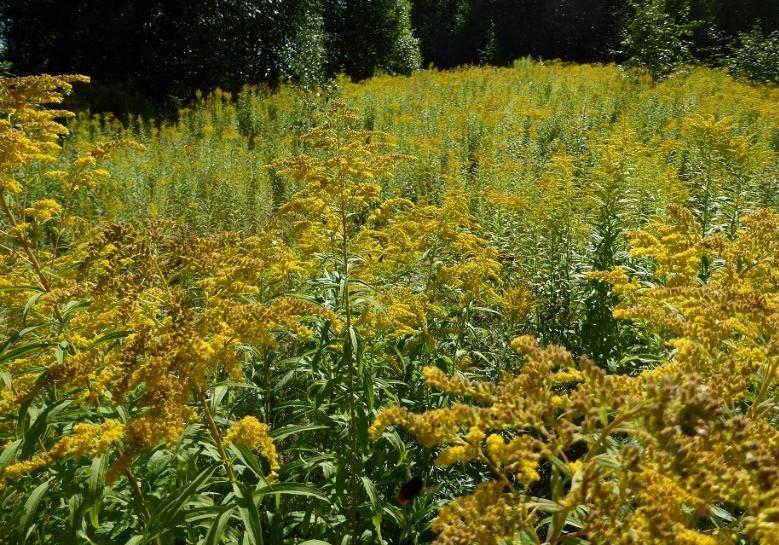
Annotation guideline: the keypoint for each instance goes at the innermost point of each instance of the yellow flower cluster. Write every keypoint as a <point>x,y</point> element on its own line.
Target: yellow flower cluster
<point>435,247</point>
<point>403,311</point>
<point>338,183</point>
<point>134,317</point>
<point>43,210</point>
<point>516,303</point>
<point>676,248</point>
<point>174,346</point>
<point>645,457</point>
<point>254,434</point>
<point>722,329</point>
<point>84,172</point>
<point>488,516</point>
<point>87,440</point>
<point>29,132</point>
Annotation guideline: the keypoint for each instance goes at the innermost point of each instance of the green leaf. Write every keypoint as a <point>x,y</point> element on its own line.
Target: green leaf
<point>109,337</point>
<point>544,505</point>
<point>560,465</point>
<point>31,302</point>
<point>84,537</point>
<point>353,337</point>
<point>9,453</point>
<point>38,427</point>
<point>20,351</point>
<point>234,384</point>
<point>249,513</point>
<point>245,455</point>
<point>371,491</point>
<point>393,438</point>
<point>62,349</point>
<point>216,530</point>
<point>276,523</point>
<point>96,484</point>
<point>286,431</point>
<point>220,392</point>
<point>21,288</point>
<point>169,507</point>
<point>7,379</point>
<point>69,308</point>
<point>375,505</point>
<point>292,489</point>
<point>158,461</point>
<point>13,339</point>
<point>30,509</point>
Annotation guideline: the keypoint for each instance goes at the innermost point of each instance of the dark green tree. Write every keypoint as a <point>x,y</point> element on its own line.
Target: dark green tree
<point>161,48</point>
<point>662,34</point>
<point>372,36</point>
<point>655,38</point>
<point>756,56</point>
<point>445,32</point>
<point>455,32</point>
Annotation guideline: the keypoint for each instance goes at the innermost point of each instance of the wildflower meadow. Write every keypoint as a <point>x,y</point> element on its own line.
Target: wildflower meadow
<point>533,304</point>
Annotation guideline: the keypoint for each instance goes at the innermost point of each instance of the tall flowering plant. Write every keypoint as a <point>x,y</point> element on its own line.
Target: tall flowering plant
<point>113,337</point>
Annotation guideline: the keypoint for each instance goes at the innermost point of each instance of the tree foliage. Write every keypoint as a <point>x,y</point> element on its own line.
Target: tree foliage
<point>157,49</point>
<point>756,57</point>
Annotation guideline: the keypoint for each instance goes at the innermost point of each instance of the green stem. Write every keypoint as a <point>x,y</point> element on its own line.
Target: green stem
<point>349,360</point>
<point>141,499</point>
<point>216,436</point>
<point>28,250</point>
<point>608,430</point>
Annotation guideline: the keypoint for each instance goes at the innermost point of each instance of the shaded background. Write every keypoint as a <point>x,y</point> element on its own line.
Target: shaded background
<point>150,50</point>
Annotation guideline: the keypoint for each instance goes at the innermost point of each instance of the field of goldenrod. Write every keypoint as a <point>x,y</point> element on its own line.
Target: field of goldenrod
<point>528,305</point>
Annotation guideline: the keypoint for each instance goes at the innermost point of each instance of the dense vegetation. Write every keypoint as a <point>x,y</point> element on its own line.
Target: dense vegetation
<point>548,291</point>
<point>144,52</point>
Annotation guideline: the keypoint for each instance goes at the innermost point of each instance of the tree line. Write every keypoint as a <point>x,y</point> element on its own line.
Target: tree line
<point>169,48</point>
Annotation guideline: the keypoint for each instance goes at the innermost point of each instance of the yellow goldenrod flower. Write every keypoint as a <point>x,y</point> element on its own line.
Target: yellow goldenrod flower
<point>254,434</point>
<point>43,210</point>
